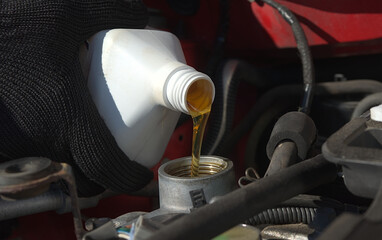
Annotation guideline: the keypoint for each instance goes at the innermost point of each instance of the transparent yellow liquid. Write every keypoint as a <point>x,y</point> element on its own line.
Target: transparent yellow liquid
<point>199,100</point>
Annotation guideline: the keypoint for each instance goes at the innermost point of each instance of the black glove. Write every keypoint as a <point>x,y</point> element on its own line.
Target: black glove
<point>45,107</point>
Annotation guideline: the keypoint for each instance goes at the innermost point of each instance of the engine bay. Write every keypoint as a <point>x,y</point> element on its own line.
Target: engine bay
<point>292,147</point>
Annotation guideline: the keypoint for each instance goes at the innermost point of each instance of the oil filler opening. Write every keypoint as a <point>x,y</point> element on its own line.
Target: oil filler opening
<point>207,166</point>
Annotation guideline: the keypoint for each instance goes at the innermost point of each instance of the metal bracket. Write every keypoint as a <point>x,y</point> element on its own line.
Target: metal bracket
<point>56,171</point>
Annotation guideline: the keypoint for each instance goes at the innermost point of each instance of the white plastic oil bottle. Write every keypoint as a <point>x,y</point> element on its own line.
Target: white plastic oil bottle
<point>140,83</point>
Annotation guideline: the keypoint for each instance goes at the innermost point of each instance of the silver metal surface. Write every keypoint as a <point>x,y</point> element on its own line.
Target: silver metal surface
<point>175,184</point>
<point>240,232</point>
<point>289,232</point>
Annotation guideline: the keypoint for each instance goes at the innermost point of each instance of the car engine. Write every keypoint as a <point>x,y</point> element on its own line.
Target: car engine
<point>292,148</point>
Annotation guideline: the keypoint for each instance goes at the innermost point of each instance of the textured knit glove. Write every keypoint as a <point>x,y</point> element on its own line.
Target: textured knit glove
<point>45,107</point>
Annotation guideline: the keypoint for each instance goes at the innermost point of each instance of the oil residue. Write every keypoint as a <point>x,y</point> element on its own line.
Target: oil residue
<point>199,107</point>
<point>206,168</point>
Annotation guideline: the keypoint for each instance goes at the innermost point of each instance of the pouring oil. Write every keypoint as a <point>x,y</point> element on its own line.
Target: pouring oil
<point>199,107</point>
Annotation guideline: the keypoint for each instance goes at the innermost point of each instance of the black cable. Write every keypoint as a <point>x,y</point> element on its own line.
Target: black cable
<point>305,55</point>
<point>241,204</point>
<point>223,108</point>
<point>222,114</point>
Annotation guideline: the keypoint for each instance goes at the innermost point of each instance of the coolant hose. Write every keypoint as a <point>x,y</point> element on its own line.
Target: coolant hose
<point>261,130</point>
<point>367,103</point>
<point>303,49</point>
<point>284,155</point>
<point>236,207</point>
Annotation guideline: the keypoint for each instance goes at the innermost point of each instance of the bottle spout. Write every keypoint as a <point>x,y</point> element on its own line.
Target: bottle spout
<point>189,90</point>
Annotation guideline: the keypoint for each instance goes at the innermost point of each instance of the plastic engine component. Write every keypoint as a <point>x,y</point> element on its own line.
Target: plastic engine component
<point>295,126</point>
<point>376,113</point>
<point>357,146</point>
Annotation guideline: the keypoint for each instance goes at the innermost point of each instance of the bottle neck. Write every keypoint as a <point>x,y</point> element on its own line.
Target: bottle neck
<point>185,81</point>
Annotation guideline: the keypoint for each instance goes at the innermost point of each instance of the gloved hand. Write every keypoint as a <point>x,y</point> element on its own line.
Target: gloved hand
<point>45,107</point>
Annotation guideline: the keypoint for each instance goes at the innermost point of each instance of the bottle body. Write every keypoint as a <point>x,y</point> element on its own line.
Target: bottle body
<point>131,79</point>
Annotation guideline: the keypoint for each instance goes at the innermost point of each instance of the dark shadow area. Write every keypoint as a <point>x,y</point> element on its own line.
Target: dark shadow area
<point>245,32</point>
<point>368,139</point>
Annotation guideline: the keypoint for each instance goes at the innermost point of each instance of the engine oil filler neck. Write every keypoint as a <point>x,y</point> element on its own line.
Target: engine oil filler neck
<point>179,192</point>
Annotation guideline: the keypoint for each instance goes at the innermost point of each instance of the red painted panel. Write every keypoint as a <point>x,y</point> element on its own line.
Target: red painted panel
<point>324,21</point>
<point>254,28</point>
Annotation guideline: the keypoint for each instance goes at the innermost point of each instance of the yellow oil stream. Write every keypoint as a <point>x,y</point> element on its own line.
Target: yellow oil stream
<point>199,106</point>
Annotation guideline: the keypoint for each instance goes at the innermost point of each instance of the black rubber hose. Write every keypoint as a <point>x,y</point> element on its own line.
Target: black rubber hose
<point>236,207</point>
<point>284,215</point>
<point>305,55</point>
<point>269,98</point>
<point>262,129</point>
<point>285,155</point>
<point>263,104</point>
<point>223,109</point>
<point>367,103</point>
<point>359,86</point>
